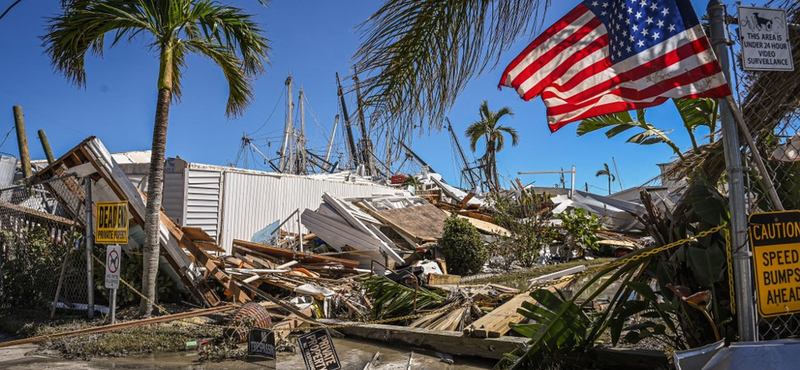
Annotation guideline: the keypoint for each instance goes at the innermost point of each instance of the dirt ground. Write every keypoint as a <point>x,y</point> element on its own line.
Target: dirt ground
<point>353,355</point>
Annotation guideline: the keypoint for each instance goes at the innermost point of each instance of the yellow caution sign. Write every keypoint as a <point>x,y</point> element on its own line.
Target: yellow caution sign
<point>111,226</point>
<point>775,240</point>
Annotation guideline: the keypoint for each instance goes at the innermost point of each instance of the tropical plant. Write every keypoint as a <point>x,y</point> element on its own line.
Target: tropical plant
<point>528,228</point>
<point>581,230</point>
<point>391,299</point>
<point>462,247</point>
<point>487,128</point>
<point>606,172</point>
<point>412,181</point>
<point>420,55</point>
<point>175,28</point>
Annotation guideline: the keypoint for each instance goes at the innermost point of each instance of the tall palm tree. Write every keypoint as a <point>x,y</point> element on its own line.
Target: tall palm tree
<point>174,28</point>
<point>492,133</point>
<point>420,54</point>
<point>606,172</point>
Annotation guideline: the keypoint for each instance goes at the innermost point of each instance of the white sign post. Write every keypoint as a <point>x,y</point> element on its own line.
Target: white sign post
<point>113,267</point>
<point>765,39</point>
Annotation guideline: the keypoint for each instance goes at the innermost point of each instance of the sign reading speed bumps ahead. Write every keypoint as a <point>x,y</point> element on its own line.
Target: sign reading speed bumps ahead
<point>112,223</point>
<point>775,239</point>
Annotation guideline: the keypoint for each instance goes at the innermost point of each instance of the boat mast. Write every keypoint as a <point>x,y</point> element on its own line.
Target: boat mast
<point>282,164</point>
<point>351,143</point>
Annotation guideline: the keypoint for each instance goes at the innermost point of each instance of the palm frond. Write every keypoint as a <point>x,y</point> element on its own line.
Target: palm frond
<point>600,122</point>
<point>419,55</point>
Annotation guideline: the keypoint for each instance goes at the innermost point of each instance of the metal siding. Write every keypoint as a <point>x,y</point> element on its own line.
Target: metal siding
<point>253,201</point>
<point>173,196</point>
<point>203,200</point>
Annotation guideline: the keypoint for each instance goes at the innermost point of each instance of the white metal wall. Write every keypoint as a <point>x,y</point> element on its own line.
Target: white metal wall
<point>253,201</point>
<point>202,200</point>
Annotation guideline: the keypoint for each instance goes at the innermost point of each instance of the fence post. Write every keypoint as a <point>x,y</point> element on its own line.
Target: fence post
<point>742,267</point>
<point>89,249</point>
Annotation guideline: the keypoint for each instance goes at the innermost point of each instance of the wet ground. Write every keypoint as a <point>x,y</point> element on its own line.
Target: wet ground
<point>353,355</point>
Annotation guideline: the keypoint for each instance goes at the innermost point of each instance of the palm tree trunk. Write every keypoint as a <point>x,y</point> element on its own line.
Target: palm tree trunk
<point>155,184</point>
<point>155,187</point>
<point>609,184</point>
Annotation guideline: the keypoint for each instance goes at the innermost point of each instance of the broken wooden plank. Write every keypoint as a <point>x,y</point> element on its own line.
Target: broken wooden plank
<point>452,342</point>
<point>438,279</point>
<point>289,254</point>
<point>496,323</point>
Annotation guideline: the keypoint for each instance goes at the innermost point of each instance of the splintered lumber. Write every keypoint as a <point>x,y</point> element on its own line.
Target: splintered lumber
<point>203,259</point>
<point>288,254</point>
<point>122,325</point>
<point>439,279</point>
<point>496,323</point>
<point>91,158</point>
<point>452,342</point>
<point>201,239</point>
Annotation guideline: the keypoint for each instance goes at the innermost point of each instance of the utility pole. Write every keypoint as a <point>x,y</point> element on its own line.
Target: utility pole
<point>301,147</point>
<point>333,135</point>
<point>742,266</point>
<point>366,143</point>
<point>350,141</point>
<point>466,172</point>
<point>561,172</point>
<point>89,237</point>
<point>22,141</point>
<point>48,153</point>
<point>288,128</point>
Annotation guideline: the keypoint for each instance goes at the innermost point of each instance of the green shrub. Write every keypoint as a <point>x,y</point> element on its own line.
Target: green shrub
<point>462,246</point>
<point>581,227</point>
<point>529,230</point>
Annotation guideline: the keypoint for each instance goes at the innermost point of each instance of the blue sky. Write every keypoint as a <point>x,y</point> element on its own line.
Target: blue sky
<point>312,40</point>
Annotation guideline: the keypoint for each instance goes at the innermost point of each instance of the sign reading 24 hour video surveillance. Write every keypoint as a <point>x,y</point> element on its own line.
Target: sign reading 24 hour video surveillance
<point>765,39</point>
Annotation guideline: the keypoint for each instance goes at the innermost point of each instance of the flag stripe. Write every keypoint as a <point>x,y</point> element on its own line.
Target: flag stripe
<point>623,69</point>
<point>606,56</point>
<point>567,21</point>
<point>669,64</point>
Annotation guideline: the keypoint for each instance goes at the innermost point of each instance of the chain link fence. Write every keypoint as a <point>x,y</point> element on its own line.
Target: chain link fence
<point>770,103</point>
<point>42,252</point>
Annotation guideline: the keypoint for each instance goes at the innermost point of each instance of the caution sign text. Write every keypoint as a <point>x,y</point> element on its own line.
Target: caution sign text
<point>111,225</point>
<point>775,238</point>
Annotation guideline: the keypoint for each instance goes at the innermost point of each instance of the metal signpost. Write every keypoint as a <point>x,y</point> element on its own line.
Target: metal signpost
<point>765,39</point>
<point>113,267</point>
<point>112,229</point>
<point>775,237</point>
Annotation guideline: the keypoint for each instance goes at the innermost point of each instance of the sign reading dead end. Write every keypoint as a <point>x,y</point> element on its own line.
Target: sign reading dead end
<point>318,351</point>
<point>775,239</point>
<point>112,223</point>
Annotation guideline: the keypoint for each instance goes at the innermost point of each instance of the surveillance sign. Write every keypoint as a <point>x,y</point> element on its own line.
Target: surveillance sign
<point>765,40</point>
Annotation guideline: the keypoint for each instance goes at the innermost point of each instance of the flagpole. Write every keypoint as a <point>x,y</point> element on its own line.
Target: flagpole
<point>742,266</point>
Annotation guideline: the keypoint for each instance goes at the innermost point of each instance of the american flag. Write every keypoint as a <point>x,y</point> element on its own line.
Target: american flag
<point>608,56</point>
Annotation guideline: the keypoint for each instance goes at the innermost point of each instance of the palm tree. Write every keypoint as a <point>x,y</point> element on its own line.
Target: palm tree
<point>606,172</point>
<point>420,54</point>
<point>175,28</point>
<point>488,129</point>
<point>411,180</point>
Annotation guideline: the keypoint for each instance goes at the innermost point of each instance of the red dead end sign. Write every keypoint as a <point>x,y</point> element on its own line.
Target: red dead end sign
<point>775,238</point>
<point>111,226</point>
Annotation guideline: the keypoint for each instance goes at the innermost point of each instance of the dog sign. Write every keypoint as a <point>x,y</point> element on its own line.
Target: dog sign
<point>764,34</point>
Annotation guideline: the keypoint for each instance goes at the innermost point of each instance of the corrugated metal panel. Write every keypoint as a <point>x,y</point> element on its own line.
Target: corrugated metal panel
<point>173,196</point>
<point>8,167</point>
<point>203,200</point>
<point>252,201</point>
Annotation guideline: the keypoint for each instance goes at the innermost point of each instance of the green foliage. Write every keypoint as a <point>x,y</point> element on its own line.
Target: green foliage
<point>581,227</point>
<point>462,247</point>
<point>390,299</point>
<point>131,272</point>
<point>529,231</point>
<point>31,266</point>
